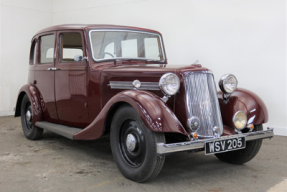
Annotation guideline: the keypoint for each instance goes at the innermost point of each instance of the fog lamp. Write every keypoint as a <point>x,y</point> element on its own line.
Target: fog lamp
<point>239,120</point>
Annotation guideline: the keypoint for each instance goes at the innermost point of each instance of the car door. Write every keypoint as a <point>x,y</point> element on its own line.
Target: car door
<point>45,75</point>
<point>71,79</point>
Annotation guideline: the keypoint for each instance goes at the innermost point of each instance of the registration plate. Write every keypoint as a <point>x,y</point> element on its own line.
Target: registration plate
<point>221,146</point>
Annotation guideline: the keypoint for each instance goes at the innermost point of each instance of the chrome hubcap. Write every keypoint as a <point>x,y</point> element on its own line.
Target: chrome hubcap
<point>131,142</point>
<point>28,116</point>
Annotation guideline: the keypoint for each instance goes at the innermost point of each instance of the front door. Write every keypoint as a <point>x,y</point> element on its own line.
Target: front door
<point>71,79</point>
<point>45,75</point>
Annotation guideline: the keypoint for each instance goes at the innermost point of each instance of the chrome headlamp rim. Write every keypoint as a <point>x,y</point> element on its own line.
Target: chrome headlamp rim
<point>233,120</point>
<point>163,77</point>
<point>222,82</point>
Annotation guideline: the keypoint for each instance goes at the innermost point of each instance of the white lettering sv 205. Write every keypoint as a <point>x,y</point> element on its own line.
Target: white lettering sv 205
<point>225,145</point>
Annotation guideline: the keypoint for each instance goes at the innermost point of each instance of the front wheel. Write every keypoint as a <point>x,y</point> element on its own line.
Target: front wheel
<point>134,146</point>
<point>243,155</point>
<point>29,130</point>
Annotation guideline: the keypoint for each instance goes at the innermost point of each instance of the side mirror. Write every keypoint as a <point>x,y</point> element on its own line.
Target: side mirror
<point>78,58</point>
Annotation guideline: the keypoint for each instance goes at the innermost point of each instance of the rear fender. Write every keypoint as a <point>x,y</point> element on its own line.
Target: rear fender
<point>35,99</point>
<point>155,114</point>
<point>246,101</point>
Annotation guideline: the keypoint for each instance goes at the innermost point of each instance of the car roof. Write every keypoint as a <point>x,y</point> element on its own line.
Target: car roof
<point>88,27</point>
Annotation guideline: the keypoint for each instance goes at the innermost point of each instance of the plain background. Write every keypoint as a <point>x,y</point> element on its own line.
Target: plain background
<point>244,37</point>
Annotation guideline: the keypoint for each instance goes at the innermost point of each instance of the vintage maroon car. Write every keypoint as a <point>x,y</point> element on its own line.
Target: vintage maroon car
<point>87,81</point>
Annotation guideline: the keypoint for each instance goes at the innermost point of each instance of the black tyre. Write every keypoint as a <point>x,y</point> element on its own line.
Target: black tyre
<point>134,146</point>
<point>243,155</point>
<point>29,130</point>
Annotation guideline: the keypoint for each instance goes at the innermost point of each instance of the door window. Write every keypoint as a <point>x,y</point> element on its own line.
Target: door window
<point>47,44</point>
<point>71,47</point>
<point>33,53</point>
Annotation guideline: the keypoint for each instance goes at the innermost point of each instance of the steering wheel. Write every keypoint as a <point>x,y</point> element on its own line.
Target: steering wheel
<point>109,54</point>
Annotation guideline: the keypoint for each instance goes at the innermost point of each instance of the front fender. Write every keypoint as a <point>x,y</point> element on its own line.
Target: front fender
<point>35,99</point>
<point>155,114</point>
<point>243,100</point>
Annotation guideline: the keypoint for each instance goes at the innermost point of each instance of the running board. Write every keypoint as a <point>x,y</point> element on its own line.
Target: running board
<point>63,130</point>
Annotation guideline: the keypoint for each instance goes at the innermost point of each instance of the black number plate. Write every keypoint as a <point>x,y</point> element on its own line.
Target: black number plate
<point>224,145</point>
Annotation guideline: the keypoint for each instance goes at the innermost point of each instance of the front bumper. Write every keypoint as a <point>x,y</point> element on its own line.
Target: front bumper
<point>199,144</point>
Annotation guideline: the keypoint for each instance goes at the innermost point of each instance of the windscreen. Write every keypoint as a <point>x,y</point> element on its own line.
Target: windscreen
<point>125,44</point>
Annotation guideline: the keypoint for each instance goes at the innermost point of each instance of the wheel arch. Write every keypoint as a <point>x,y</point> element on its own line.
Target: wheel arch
<point>246,101</point>
<point>110,116</point>
<point>155,114</point>
<point>18,103</point>
<point>33,94</point>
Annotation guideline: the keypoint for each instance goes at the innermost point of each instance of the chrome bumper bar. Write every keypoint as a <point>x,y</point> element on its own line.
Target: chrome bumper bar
<point>199,144</point>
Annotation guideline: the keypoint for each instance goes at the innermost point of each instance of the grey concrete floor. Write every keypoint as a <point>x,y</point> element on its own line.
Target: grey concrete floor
<point>57,164</point>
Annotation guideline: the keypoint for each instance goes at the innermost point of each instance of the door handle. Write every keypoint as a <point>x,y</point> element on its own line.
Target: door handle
<point>52,69</point>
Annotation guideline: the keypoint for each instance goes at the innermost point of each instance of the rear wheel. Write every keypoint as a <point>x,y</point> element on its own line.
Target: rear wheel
<point>134,146</point>
<point>243,155</point>
<point>29,130</point>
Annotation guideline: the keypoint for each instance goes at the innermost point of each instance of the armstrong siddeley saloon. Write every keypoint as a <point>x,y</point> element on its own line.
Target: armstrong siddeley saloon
<point>87,81</point>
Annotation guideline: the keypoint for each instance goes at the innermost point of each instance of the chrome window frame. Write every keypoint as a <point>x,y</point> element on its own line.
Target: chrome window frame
<point>133,31</point>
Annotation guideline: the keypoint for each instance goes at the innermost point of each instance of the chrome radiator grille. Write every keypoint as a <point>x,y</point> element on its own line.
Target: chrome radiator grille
<point>202,101</point>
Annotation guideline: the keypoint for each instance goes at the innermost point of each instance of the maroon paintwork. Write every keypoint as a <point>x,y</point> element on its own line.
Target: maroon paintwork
<point>155,114</point>
<point>36,99</point>
<point>246,101</point>
<point>78,95</point>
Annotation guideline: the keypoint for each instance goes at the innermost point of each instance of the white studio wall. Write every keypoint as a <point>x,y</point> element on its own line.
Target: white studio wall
<point>243,37</point>
<point>20,20</point>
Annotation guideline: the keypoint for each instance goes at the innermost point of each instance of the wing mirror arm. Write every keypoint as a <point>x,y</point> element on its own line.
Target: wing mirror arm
<point>80,58</point>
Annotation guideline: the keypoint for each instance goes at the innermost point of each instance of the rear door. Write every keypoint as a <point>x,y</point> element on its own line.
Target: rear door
<point>71,79</point>
<point>45,75</point>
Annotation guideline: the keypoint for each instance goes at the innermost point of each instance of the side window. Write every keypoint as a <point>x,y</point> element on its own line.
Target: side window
<point>70,46</point>
<point>47,44</point>
<point>33,53</point>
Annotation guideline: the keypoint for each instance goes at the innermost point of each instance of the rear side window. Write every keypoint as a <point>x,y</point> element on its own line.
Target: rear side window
<point>33,53</point>
<point>47,44</point>
<point>70,47</point>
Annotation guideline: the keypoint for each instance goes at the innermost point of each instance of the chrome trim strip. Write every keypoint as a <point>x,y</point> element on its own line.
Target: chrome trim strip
<point>129,85</point>
<point>133,31</point>
<point>199,144</point>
